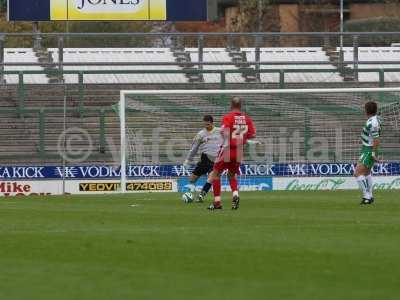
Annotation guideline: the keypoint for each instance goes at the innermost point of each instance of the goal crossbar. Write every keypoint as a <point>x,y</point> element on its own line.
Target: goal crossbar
<point>259,91</point>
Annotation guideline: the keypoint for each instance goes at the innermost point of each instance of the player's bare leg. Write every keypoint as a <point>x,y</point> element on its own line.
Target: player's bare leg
<point>364,179</point>
<point>235,190</point>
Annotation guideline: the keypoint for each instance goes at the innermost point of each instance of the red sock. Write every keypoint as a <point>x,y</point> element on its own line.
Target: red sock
<point>234,184</point>
<point>217,188</point>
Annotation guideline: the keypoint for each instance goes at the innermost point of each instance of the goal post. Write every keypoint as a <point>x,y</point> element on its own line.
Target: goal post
<point>122,121</point>
<point>294,125</point>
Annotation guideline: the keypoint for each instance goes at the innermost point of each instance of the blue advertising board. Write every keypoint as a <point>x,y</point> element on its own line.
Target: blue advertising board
<point>178,171</point>
<point>246,184</point>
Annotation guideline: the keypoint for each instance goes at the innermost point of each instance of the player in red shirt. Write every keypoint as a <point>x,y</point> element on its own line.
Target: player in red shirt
<point>237,130</point>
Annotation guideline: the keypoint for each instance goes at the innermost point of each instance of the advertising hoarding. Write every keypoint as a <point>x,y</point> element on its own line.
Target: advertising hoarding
<point>84,187</point>
<point>107,10</point>
<point>165,171</point>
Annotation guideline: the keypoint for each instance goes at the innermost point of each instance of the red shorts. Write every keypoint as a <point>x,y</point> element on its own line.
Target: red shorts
<point>232,166</point>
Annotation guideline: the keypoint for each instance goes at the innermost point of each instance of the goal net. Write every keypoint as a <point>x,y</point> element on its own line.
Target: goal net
<point>303,132</point>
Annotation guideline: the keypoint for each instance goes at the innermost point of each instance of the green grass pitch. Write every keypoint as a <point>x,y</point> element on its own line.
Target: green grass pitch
<point>279,245</point>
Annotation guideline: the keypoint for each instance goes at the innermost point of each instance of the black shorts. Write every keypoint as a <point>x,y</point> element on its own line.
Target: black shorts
<point>204,166</point>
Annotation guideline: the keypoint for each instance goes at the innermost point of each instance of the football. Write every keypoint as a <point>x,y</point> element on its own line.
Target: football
<point>187,197</point>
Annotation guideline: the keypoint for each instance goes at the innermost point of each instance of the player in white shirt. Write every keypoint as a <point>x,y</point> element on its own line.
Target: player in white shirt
<point>370,135</point>
<point>207,142</point>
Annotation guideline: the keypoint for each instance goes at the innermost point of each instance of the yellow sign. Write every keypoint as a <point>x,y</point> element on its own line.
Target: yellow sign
<point>132,186</point>
<point>149,186</point>
<point>108,10</point>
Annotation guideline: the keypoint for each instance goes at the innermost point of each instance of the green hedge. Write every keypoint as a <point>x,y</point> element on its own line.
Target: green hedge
<point>379,24</point>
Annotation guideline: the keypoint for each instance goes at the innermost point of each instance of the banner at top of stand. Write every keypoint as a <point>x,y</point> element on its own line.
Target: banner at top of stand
<point>107,10</point>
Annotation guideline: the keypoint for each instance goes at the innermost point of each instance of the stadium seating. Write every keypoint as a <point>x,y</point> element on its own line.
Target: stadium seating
<point>23,55</point>
<point>295,55</point>
<point>271,55</point>
<point>216,55</point>
<point>92,55</point>
<point>375,54</point>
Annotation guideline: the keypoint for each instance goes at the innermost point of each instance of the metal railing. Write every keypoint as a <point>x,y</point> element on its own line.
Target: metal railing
<point>282,75</point>
<point>42,114</point>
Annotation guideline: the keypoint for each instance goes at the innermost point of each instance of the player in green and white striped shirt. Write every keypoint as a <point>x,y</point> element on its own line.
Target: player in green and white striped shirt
<point>370,143</point>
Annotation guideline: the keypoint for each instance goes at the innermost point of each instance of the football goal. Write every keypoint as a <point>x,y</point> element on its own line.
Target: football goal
<point>295,127</point>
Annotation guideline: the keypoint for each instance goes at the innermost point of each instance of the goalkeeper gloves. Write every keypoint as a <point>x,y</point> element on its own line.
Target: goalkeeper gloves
<point>253,142</point>
<point>186,164</point>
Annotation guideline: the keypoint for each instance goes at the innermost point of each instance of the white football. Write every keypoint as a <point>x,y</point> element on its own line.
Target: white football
<point>187,197</point>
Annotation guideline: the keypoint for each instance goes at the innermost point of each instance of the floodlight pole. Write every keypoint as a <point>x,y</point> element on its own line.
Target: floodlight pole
<point>67,31</point>
<point>60,59</point>
<point>37,39</point>
<point>260,15</point>
<point>258,56</point>
<point>341,22</point>
<point>355,57</point>
<point>2,80</point>
<point>258,39</point>
<point>341,58</point>
<point>200,44</point>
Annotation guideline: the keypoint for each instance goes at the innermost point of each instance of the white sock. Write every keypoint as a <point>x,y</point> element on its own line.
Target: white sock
<point>363,184</point>
<point>235,193</point>
<point>191,187</point>
<point>370,185</point>
<point>217,199</point>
